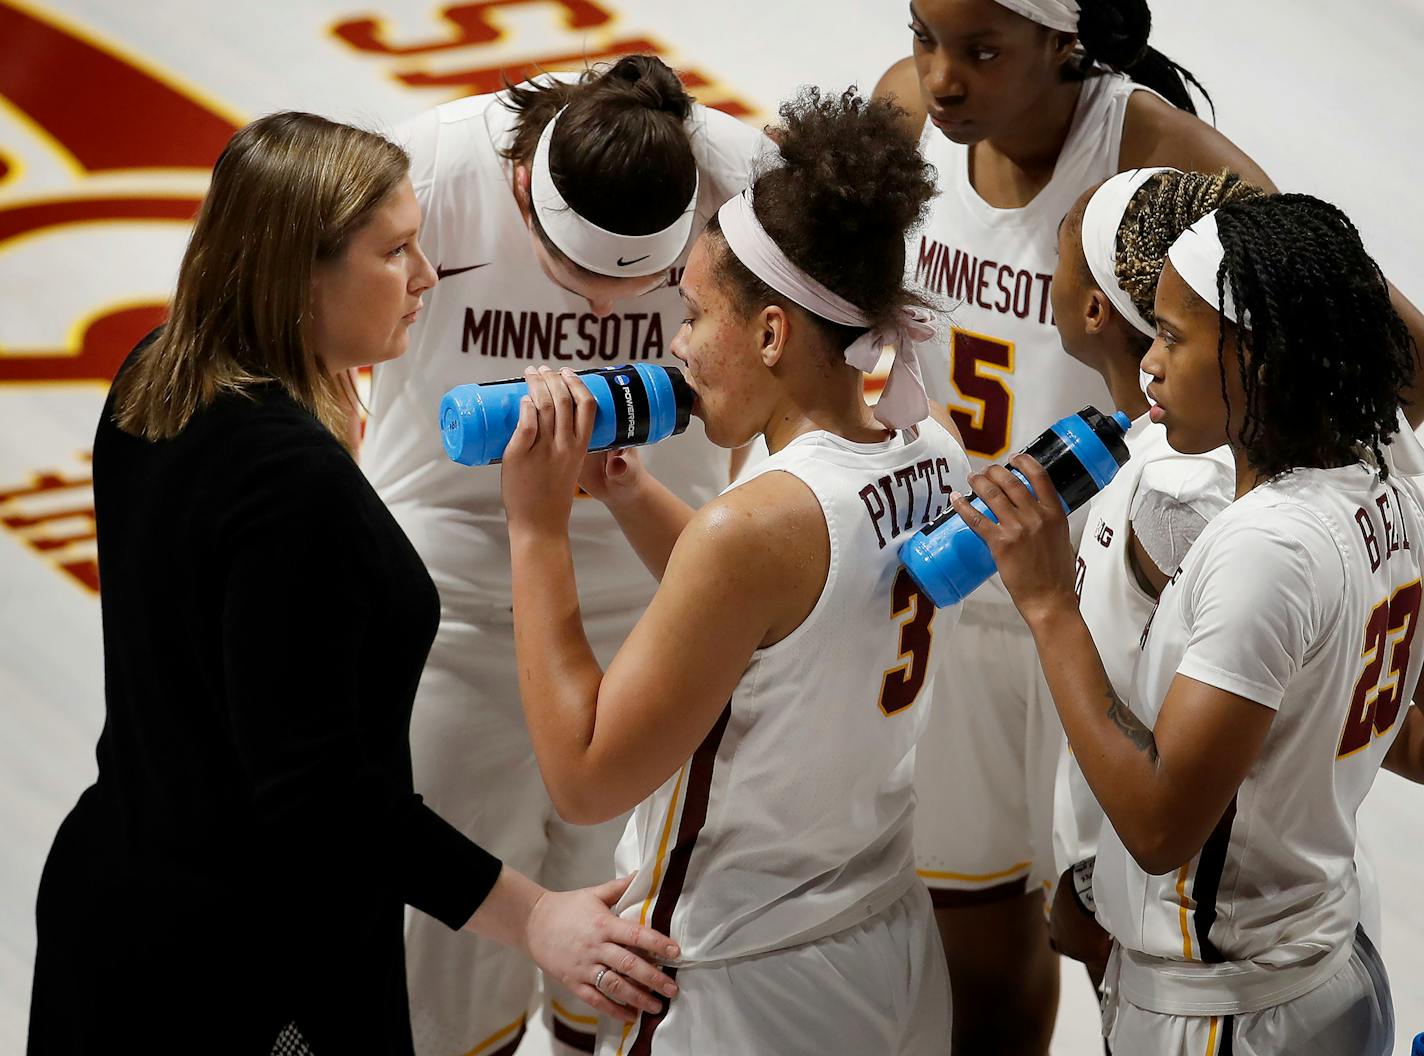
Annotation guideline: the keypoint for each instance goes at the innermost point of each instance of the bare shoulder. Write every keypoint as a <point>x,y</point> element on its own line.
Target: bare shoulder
<point>763,519</point>
<point>901,84</point>
<point>764,544</point>
<point>1157,133</point>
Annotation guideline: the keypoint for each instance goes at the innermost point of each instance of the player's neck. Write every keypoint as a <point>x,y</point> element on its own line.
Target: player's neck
<point>1036,141</point>
<point>1125,387</point>
<point>834,404</point>
<point>1247,478</point>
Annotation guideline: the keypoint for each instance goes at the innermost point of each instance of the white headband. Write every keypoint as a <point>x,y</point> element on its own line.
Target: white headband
<point>1101,220</point>
<point>1197,256</point>
<point>592,247</point>
<point>902,402</point>
<point>1061,15</point>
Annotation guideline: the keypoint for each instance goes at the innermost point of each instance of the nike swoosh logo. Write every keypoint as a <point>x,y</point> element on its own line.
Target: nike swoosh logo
<point>442,272</point>
<point>629,263</point>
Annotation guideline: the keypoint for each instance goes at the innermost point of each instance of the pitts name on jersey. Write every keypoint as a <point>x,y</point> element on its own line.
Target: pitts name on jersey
<point>887,496</point>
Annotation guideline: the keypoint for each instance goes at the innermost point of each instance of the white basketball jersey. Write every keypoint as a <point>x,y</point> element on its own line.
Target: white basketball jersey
<point>1113,603</point>
<point>1302,596</point>
<point>792,820</point>
<point>996,360</point>
<point>494,313</point>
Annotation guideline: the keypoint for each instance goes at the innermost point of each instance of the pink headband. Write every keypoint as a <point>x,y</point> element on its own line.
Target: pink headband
<point>903,402</point>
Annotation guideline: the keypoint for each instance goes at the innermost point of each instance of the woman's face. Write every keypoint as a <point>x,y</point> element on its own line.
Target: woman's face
<point>365,301</point>
<point>722,354</point>
<point>982,68</point>
<point>1186,386</point>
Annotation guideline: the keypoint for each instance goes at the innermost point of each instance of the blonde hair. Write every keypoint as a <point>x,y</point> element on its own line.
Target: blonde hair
<point>1163,207</point>
<point>287,193</point>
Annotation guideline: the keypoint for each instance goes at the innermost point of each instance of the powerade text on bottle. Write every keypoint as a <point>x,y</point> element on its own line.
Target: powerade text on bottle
<point>637,404</point>
<point>1081,453</point>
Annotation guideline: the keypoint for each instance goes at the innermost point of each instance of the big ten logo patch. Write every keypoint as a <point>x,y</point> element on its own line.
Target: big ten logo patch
<point>477,46</point>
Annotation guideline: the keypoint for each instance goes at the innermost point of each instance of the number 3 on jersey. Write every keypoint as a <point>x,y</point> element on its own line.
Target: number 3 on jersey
<point>986,424</point>
<point>902,683</point>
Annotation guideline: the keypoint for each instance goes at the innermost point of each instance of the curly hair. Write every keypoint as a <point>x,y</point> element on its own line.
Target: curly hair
<point>847,187</point>
<point>1163,207</point>
<point>1325,357</point>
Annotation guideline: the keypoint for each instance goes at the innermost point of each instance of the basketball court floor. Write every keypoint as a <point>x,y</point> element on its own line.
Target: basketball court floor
<point>111,113</point>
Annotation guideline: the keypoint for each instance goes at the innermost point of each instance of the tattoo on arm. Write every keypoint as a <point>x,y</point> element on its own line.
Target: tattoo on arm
<point>1131,725</point>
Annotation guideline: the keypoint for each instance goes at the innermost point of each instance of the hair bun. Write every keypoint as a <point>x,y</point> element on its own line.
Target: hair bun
<point>652,83</point>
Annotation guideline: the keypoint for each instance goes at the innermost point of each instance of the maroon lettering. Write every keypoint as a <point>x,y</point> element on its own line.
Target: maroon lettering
<point>1367,532</point>
<point>560,321</point>
<point>985,266</point>
<point>906,479</point>
<point>476,331</point>
<point>1006,294</point>
<point>1044,313</point>
<point>875,506</point>
<point>924,265</point>
<point>653,343</point>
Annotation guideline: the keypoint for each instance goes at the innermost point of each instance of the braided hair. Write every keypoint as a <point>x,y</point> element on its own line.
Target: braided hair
<point>1163,207</point>
<point>1325,357</point>
<point>1114,33</point>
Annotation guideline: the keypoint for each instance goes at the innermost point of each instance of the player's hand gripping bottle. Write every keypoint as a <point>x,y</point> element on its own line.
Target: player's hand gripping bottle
<point>1081,453</point>
<point>638,404</point>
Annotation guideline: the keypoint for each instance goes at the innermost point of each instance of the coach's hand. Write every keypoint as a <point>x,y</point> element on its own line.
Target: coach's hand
<point>1030,543</point>
<point>544,456</point>
<point>574,936</point>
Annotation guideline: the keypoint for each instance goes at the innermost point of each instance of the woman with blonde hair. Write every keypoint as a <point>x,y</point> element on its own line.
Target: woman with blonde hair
<point>235,880</point>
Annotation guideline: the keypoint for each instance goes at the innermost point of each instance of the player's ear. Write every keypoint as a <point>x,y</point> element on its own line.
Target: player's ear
<point>1097,312</point>
<point>773,331</point>
<point>521,189</point>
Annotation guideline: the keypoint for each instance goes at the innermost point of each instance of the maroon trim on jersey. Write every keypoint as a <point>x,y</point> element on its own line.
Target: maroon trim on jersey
<point>572,1037</point>
<point>954,898</point>
<point>648,1023</point>
<point>1204,891</point>
<point>694,817</point>
<point>508,1048</point>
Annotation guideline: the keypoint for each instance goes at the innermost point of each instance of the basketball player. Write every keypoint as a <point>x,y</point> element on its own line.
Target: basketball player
<point>522,194</point>
<point>1274,670</point>
<point>764,712</point>
<point>1111,248</point>
<point>1023,104</point>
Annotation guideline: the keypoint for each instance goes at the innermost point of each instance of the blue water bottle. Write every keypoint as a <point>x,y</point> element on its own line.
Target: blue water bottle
<point>1081,453</point>
<point>637,404</point>
<point>1418,1045</point>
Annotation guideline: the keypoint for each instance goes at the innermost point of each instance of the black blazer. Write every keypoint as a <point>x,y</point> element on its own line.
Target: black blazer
<point>245,856</point>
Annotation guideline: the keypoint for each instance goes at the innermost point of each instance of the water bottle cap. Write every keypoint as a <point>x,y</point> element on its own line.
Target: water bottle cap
<point>1123,420</point>
<point>683,397</point>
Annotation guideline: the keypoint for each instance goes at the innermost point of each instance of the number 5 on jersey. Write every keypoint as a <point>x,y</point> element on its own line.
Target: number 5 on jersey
<point>902,683</point>
<point>987,424</point>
